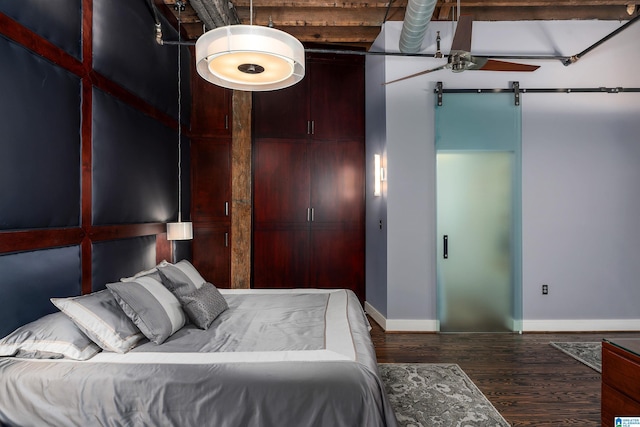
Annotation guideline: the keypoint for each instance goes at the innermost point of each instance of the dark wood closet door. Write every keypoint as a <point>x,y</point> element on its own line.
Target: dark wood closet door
<point>337,99</point>
<point>281,257</point>
<point>210,107</point>
<point>282,113</point>
<point>211,179</point>
<point>281,182</point>
<point>211,254</point>
<point>337,258</point>
<point>337,184</point>
<point>308,182</point>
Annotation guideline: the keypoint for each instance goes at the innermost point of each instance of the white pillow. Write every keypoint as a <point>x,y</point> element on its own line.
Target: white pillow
<point>53,336</point>
<point>100,317</point>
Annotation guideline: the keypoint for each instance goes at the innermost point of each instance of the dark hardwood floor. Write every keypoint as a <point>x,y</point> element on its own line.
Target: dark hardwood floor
<point>529,382</point>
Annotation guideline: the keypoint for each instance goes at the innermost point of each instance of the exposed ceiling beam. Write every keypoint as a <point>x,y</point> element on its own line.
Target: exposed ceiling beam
<point>358,22</point>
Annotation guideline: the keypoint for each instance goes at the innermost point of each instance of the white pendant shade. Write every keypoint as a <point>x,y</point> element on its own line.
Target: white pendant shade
<point>179,231</point>
<point>250,58</point>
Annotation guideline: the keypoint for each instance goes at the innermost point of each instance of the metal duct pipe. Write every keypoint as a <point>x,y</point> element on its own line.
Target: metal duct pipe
<point>416,19</point>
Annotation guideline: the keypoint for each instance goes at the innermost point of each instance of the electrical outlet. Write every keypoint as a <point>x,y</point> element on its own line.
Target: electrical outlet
<point>545,289</point>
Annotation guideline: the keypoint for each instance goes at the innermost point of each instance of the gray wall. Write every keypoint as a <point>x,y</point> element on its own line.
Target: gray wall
<point>376,234</point>
<point>581,169</point>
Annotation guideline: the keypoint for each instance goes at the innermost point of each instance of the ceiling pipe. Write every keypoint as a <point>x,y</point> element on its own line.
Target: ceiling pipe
<point>416,19</point>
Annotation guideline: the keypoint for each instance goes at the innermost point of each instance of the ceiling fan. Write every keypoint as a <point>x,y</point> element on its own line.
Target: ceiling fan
<point>460,58</point>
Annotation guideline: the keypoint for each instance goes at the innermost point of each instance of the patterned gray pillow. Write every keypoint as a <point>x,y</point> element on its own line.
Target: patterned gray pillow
<point>203,305</point>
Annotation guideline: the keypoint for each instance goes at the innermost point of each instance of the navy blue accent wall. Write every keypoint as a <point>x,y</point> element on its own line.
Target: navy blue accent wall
<point>115,259</point>
<point>39,122</point>
<point>182,249</point>
<point>29,279</point>
<point>125,50</point>
<point>132,182</point>
<point>88,148</point>
<point>59,21</point>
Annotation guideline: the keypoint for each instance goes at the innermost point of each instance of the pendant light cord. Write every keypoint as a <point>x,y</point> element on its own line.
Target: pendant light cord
<point>179,124</point>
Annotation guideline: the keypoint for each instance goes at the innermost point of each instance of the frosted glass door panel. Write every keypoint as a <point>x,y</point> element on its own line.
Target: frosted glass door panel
<point>478,146</point>
<point>474,196</point>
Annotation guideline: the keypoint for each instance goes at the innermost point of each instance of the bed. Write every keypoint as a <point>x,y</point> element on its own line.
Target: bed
<point>272,358</point>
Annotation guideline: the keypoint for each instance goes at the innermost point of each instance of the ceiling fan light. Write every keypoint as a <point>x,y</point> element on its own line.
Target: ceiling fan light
<point>250,58</point>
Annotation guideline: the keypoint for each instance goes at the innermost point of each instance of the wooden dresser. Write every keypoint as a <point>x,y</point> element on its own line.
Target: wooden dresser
<point>620,379</point>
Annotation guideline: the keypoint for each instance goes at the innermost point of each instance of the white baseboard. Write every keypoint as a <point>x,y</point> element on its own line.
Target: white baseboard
<point>401,325</point>
<point>375,315</point>
<point>562,325</point>
<point>581,325</point>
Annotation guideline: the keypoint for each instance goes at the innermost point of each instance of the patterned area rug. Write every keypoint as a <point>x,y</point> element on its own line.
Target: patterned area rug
<point>589,353</point>
<point>430,395</point>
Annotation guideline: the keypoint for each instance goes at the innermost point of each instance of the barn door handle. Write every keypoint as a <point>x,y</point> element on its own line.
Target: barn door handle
<point>445,246</point>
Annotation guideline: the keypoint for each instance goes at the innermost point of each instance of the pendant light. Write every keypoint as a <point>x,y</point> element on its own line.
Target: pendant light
<point>179,230</point>
<point>250,58</point>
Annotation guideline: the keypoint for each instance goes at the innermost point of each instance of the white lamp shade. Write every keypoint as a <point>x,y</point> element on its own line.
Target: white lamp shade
<point>179,231</point>
<point>250,58</point>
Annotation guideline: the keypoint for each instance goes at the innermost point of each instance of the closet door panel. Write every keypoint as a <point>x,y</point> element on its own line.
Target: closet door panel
<point>337,99</point>
<point>281,113</point>
<point>211,172</point>
<point>281,181</point>
<point>212,254</point>
<point>280,258</point>
<point>337,259</point>
<point>337,184</point>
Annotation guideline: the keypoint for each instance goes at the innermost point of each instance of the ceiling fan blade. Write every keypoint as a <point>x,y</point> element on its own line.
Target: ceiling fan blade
<point>462,37</point>
<point>418,74</point>
<point>494,65</point>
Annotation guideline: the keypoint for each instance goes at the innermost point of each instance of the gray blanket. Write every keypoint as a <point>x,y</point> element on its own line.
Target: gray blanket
<point>273,359</point>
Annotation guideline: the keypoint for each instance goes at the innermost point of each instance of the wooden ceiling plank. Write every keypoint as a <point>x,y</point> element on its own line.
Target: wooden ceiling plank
<point>314,17</point>
<point>542,3</point>
<point>333,35</point>
<point>317,3</point>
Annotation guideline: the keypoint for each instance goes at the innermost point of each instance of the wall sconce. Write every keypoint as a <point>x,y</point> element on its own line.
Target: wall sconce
<point>378,175</point>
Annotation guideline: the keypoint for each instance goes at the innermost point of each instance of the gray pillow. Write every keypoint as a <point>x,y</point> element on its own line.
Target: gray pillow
<point>100,317</point>
<point>53,336</point>
<point>174,279</point>
<point>204,305</point>
<point>144,272</point>
<point>151,306</point>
